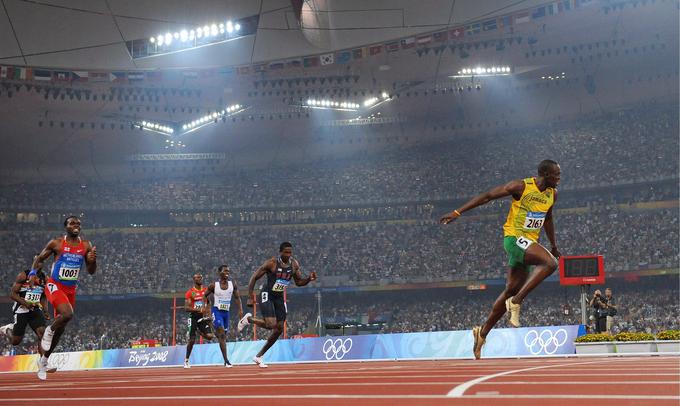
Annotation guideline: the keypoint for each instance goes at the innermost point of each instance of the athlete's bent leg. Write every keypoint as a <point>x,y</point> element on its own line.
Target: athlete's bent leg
<point>53,333</point>
<point>545,264</point>
<point>517,276</point>
<point>258,322</point>
<point>273,336</point>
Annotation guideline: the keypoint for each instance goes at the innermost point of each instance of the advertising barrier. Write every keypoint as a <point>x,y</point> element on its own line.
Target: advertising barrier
<point>518,342</point>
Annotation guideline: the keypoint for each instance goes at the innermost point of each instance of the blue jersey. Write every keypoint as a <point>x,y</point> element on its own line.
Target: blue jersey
<point>68,264</point>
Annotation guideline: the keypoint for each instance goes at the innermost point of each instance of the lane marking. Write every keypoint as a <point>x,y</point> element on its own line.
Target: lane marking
<point>459,390</point>
<point>302,385</point>
<point>341,396</point>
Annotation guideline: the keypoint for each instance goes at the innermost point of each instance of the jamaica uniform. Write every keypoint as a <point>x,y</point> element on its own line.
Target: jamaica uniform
<point>22,315</point>
<point>271,297</point>
<point>197,321</point>
<point>525,220</point>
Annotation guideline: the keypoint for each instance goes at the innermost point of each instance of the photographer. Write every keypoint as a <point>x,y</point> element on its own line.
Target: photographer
<point>599,303</point>
<point>611,309</point>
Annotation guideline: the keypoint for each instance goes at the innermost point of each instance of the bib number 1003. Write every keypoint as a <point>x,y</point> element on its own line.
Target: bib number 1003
<point>68,274</point>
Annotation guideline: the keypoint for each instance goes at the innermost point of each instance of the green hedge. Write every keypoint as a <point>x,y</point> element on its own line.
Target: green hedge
<point>601,337</point>
<point>634,337</point>
<point>594,338</point>
<point>669,335</point>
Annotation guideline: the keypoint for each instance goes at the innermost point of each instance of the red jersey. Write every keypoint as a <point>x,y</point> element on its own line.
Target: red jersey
<point>196,297</point>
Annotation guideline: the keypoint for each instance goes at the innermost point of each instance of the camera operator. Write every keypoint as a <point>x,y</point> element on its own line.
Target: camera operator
<point>611,309</point>
<point>599,304</point>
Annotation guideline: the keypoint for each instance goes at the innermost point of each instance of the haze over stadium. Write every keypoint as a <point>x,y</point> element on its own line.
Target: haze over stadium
<point>374,175</point>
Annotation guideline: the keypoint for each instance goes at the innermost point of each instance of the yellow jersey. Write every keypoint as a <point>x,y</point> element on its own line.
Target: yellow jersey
<point>527,215</point>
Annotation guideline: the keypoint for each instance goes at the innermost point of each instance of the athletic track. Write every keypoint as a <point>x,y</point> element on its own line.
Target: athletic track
<point>546,381</point>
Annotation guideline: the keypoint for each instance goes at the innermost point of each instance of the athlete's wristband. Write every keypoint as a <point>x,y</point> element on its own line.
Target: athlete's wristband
<point>457,213</point>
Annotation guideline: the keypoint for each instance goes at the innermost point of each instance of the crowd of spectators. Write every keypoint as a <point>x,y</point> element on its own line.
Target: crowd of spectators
<point>626,146</point>
<point>162,260</point>
<point>98,325</point>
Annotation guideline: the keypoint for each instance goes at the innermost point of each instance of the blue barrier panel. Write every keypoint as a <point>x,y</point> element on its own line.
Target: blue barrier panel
<point>519,342</point>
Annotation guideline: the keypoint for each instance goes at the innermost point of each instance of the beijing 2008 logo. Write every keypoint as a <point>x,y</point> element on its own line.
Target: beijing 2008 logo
<point>546,342</point>
<point>336,349</point>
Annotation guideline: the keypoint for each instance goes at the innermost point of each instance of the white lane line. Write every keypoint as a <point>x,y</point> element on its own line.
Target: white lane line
<point>459,390</point>
<point>303,385</point>
<point>342,396</point>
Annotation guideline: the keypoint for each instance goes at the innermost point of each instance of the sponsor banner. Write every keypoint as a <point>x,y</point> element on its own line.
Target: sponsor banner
<point>518,342</point>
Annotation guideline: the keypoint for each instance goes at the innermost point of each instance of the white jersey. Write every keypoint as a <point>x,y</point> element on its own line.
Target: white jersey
<point>223,296</point>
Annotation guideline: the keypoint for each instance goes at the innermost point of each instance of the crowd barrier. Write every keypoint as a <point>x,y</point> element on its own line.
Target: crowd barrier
<point>519,342</point>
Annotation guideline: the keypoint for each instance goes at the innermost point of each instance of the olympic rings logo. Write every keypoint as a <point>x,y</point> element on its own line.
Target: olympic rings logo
<point>337,349</point>
<point>545,342</point>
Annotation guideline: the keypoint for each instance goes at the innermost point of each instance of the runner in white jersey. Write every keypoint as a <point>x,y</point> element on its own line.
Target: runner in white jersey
<point>222,293</point>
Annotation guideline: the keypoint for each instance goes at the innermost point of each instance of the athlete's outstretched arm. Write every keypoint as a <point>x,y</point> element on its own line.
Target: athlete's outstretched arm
<point>237,300</point>
<point>513,188</point>
<point>39,259</point>
<point>91,259</point>
<point>261,271</point>
<point>297,275</point>
<point>550,230</point>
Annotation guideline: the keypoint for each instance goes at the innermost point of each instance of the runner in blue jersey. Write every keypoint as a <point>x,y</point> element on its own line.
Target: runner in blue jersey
<point>279,272</point>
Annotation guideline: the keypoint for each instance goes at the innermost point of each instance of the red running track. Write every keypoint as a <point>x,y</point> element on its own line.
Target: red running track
<point>555,381</point>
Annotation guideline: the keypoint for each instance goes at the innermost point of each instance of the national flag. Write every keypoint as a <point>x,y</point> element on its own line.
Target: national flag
<point>504,21</point>
<point>343,57</point>
<point>522,18</point>
<point>243,70</point>
<point>473,29</point>
<point>358,53</point>
<point>5,71</point>
<point>538,13</point>
<point>99,77</point>
<point>424,40</point>
<point>135,76</point>
<point>407,43</point>
<point>458,32</point>
<point>327,59</point>
<point>61,76</point>
<point>16,73</point>
<point>42,75</point>
<point>489,25</point>
<point>118,77</point>
<point>23,73</point>
<point>310,62</point>
<point>80,76</point>
<point>276,65</point>
<point>391,47</point>
<point>294,63</point>
<point>376,49</point>
<point>154,76</point>
<point>441,36</point>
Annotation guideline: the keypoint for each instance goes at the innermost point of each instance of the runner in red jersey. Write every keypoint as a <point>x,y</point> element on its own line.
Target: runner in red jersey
<point>200,319</point>
<point>70,253</point>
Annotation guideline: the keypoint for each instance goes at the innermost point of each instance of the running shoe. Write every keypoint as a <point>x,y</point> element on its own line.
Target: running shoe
<point>479,342</point>
<point>513,311</point>
<point>7,329</point>
<point>244,322</point>
<point>228,364</point>
<point>260,362</point>
<point>186,364</point>
<point>42,368</point>
<point>46,342</point>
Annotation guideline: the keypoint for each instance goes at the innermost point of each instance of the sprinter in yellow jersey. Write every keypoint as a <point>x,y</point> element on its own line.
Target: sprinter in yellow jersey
<point>531,210</point>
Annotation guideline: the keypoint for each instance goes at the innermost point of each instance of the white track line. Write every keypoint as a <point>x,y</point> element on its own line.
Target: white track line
<point>304,385</point>
<point>341,396</point>
<point>459,390</point>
